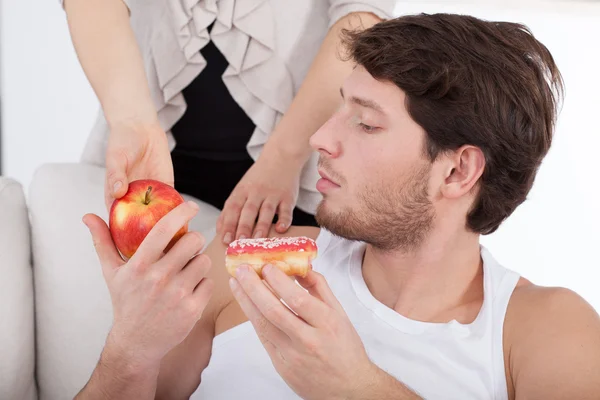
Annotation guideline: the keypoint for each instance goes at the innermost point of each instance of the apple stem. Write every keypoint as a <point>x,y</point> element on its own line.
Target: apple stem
<point>147,199</point>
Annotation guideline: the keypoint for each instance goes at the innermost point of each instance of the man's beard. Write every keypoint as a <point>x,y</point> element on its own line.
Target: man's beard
<point>388,218</point>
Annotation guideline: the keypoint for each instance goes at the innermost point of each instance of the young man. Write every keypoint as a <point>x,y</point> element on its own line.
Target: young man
<point>442,127</point>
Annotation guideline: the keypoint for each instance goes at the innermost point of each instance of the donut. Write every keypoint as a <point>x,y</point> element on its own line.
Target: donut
<point>292,255</point>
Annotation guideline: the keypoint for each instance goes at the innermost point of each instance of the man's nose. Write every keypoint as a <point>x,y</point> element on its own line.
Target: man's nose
<point>325,140</point>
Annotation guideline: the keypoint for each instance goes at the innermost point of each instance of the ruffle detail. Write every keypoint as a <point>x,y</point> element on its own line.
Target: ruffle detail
<point>256,77</point>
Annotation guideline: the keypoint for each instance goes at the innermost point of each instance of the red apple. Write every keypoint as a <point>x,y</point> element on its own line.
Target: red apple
<point>133,216</point>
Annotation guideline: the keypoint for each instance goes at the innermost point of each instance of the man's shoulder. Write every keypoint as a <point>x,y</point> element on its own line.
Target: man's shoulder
<point>535,311</point>
<point>549,330</point>
<point>538,306</point>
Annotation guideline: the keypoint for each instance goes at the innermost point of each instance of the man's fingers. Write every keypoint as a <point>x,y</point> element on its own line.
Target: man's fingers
<point>247,218</point>
<point>269,305</point>
<point>231,215</point>
<point>311,309</point>
<point>180,254</point>
<point>193,273</point>
<point>265,218</point>
<point>116,174</point>
<point>317,286</point>
<point>153,245</point>
<point>201,296</point>
<point>270,336</point>
<point>105,248</point>
<point>284,216</point>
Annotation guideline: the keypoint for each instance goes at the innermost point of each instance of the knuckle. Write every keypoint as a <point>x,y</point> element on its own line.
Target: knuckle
<point>330,326</point>
<point>190,307</point>
<point>157,281</point>
<point>204,261</point>
<point>268,208</point>
<point>320,279</point>
<point>179,293</point>
<point>244,188</point>
<point>311,346</point>
<point>137,266</point>
<point>293,358</point>
<point>244,227</point>
<point>233,205</point>
<point>256,192</point>
<point>111,175</point>
<point>196,239</point>
<point>252,207</point>
<point>272,314</point>
<point>162,229</point>
<point>262,324</point>
<point>297,302</point>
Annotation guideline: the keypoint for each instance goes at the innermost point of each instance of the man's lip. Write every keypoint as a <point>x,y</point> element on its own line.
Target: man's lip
<point>325,176</point>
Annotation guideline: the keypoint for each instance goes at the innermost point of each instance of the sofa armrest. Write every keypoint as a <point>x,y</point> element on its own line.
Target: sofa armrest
<point>17,342</point>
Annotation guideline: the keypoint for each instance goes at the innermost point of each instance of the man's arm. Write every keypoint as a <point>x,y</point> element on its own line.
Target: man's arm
<point>117,377</point>
<point>554,339</point>
<point>182,367</point>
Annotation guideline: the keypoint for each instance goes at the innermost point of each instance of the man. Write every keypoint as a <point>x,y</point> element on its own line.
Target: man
<point>443,125</point>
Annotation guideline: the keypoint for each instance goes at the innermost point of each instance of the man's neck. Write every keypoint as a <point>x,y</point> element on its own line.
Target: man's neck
<point>440,281</point>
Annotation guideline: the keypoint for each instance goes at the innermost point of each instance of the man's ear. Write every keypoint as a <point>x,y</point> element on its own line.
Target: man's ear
<point>465,167</point>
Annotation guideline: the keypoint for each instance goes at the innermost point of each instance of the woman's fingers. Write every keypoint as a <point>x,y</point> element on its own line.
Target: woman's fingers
<point>265,218</point>
<point>248,217</point>
<point>231,215</point>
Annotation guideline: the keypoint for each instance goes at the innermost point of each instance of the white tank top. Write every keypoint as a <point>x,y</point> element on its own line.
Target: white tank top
<point>437,360</point>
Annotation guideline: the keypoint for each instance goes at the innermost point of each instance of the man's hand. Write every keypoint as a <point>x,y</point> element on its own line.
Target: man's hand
<point>317,352</point>
<point>135,152</point>
<point>157,298</point>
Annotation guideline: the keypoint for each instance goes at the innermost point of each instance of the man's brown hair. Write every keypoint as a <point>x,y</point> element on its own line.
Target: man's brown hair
<point>470,81</point>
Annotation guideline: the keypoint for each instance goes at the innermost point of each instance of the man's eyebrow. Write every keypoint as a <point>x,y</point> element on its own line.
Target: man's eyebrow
<point>364,102</point>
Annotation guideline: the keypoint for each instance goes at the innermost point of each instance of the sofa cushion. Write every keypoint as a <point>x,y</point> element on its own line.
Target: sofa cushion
<point>73,304</point>
<point>17,346</point>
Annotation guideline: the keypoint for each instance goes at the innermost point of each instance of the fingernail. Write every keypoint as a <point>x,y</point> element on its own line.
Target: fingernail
<point>117,186</point>
<point>267,268</point>
<point>227,238</point>
<point>282,226</point>
<point>241,271</point>
<point>233,283</point>
<point>242,236</point>
<point>193,205</point>
<point>258,234</point>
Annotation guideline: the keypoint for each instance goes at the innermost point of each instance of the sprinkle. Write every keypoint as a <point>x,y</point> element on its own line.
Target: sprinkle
<point>301,243</point>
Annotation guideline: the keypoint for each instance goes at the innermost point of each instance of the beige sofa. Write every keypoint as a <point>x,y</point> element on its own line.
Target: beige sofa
<point>55,309</point>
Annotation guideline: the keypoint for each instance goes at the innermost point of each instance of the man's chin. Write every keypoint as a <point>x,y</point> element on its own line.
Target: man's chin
<point>337,222</point>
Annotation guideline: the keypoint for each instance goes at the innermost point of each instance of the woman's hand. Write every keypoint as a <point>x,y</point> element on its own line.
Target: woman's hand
<point>270,186</point>
<point>136,152</point>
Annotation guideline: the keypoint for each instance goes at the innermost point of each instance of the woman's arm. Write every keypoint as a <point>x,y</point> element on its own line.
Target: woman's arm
<point>111,59</point>
<point>319,95</point>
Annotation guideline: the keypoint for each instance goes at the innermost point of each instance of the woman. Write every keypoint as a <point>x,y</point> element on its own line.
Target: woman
<point>219,83</point>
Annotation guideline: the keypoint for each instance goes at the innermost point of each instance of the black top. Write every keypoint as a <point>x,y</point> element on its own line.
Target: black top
<point>214,127</point>
<point>210,156</point>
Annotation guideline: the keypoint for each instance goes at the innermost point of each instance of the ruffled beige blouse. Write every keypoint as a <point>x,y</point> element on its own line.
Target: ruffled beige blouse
<point>269,45</point>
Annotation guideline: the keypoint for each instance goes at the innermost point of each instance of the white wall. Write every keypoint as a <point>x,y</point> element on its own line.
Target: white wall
<point>552,239</point>
<point>48,106</point>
